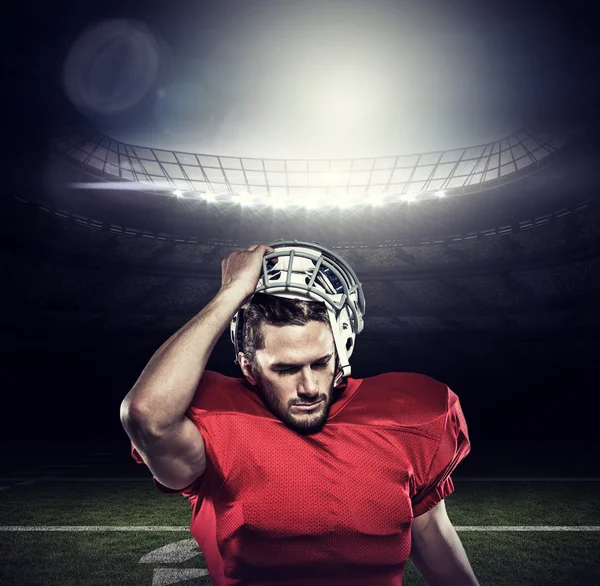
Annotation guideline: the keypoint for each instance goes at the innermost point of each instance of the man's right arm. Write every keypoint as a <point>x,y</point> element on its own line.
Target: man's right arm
<point>154,412</point>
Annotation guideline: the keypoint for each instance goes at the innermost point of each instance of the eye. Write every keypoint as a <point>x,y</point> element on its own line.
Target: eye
<point>287,370</point>
<point>293,369</point>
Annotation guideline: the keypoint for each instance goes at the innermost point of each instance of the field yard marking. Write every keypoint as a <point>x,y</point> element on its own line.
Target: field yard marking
<point>93,528</point>
<point>99,528</point>
<point>165,576</point>
<point>528,528</point>
<point>28,481</point>
<point>25,481</point>
<point>172,553</point>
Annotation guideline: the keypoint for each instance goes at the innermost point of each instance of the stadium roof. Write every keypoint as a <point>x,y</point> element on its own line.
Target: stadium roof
<point>309,182</point>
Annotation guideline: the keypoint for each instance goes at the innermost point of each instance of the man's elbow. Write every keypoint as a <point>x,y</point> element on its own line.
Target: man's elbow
<point>138,422</point>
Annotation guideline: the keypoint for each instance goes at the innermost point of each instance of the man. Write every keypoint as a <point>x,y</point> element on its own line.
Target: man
<point>298,473</point>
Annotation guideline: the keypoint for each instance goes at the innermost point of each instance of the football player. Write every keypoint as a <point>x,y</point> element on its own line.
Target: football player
<point>298,473</point>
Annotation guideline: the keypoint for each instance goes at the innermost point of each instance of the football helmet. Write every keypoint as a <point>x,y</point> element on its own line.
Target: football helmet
<point>311,272</point>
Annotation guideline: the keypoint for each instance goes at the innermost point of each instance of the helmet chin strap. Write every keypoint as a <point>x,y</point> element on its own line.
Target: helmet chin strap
<point>343,366</point>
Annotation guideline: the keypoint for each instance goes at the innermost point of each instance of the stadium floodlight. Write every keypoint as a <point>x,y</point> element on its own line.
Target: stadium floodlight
<point>333,200</point>
<point>312,201</point>
<point>376,199</point>
<point>278,200</point>
<point>178,192</point>
<point>261,198</point>
<point>346,201</point>
<point>243,198</point>
<point>209,196</point>
<point>441,193</point>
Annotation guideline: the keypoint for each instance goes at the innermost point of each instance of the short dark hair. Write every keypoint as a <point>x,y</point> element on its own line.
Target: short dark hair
<point>276,311</point>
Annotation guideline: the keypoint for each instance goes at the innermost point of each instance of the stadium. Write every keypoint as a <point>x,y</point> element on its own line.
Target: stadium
<point>480,264</point>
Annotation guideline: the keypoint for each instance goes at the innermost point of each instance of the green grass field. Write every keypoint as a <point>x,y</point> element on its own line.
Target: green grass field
<point>108,557</point>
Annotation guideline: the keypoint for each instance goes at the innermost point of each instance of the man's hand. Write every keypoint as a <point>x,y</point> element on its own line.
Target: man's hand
<point>437,551</point>
<point>241,270</point>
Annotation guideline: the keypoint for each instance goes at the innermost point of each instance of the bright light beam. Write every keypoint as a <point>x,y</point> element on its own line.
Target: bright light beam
<point>124,185</point>
<point>243,198</point>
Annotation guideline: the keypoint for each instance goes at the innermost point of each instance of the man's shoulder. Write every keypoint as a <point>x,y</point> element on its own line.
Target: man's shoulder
<point>407,383</point>
<point>410,398</point>
<point>218,392</point>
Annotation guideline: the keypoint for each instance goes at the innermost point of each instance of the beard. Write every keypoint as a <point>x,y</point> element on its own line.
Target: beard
<point>302,423</point>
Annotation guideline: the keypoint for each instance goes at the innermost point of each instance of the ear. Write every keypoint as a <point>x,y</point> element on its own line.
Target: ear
<point>248,369</point>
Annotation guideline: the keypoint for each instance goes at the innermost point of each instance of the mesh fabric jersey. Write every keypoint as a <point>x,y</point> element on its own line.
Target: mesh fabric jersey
<point>335,507</point>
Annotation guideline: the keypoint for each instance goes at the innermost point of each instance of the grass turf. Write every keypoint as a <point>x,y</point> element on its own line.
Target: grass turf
<point>102,559</point>
<point>138,503</point>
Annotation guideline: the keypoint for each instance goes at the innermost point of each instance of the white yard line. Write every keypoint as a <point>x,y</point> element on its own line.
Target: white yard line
<point>528,528</point>
<point>25,481</point>
<point>93,528</point>
<point>99,528</point>
<point>165,576</point>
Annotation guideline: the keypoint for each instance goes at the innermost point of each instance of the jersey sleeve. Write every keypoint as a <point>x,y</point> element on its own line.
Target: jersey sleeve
<point>208,392</point>
<point>195,489</point>
<point>452,447</point>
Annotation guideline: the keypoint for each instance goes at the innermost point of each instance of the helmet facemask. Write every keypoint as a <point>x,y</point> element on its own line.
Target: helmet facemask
<point>310,272</point>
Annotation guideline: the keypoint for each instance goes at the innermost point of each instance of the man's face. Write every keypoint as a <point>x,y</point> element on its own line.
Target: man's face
<point>295,372</point>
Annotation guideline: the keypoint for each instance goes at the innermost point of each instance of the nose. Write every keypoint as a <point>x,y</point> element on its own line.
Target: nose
<point>308,384</point>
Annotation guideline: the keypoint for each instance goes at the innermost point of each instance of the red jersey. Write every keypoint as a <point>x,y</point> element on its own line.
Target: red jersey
<point>335,507</point>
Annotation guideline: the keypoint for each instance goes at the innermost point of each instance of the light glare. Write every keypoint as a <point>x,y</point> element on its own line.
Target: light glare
<point>243,198</point>
<point>376,200</point>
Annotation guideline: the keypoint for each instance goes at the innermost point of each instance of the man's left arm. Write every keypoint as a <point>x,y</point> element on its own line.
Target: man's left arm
<point>437,551</point>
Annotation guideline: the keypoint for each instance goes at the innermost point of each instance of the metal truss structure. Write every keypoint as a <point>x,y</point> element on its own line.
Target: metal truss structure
<point>281,181</point>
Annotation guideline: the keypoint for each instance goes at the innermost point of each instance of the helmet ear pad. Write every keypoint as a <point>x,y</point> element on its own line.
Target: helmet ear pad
<point>236,331</point>
<point>343,338</point>
<point>346,332</point>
